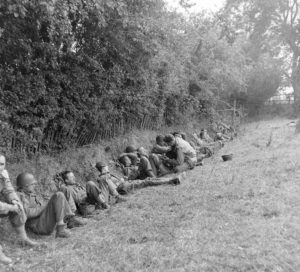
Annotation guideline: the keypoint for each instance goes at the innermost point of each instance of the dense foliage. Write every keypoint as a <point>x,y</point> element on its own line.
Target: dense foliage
<point>273,26</point>
<point>107,66</point>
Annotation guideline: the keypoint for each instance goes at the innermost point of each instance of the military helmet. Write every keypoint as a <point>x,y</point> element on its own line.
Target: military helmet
<point>24,180</point>
<point>130,149</point>
<point>100,165</point>
<point>169,138</point>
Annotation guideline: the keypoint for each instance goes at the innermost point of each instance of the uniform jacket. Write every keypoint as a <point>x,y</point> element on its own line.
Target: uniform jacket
<point>8,193</point>
<point>32,203</point>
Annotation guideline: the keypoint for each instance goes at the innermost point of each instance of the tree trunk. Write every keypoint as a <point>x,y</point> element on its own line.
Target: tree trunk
<point>296,81</point>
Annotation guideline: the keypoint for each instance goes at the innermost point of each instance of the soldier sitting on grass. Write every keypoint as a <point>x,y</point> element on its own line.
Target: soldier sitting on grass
<point>160,146</point>
<point>180,158</point>
<point>140,167</point>
<point>129,161</point>
<point>12,207</point>
<point>42,217</point>
<point>92,193</point>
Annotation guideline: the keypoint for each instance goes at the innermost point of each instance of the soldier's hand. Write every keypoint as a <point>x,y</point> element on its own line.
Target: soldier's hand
<point>14,208</point>
<point>18,204</point>
<point>5,174</point>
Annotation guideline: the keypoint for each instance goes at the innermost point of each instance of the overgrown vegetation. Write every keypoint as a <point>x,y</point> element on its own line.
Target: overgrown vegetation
<point>274,28</point>
<point>76,71</point>
<point>235,216</point>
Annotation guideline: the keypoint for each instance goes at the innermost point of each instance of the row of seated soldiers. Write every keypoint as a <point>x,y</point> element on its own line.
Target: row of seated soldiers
<point>27,209</point>
<point>172,153</point>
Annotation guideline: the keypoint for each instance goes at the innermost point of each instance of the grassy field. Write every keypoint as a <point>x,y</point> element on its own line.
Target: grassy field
<point>242,215</point>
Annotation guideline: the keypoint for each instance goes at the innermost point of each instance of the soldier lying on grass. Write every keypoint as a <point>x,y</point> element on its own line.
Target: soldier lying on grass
<point>93,193</point>
<point>124,187</point>
<point>12,208</point>
<point>42,217</point>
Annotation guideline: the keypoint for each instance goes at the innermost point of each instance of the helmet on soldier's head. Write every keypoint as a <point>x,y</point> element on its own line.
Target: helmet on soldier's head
<point>159,138</point>
<point>183,135</point>
<point>24,180</point>
<point>130,149</point>
<point>169,138</point>
<point>100,165</point>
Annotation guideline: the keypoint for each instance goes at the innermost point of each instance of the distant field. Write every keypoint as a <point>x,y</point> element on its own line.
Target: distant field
<point>242,215</point>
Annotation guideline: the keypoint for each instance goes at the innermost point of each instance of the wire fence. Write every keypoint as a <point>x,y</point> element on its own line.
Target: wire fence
<point>18,144</point>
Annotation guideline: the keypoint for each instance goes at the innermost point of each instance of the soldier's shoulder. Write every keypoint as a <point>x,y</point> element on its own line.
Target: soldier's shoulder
<point>21,194</point>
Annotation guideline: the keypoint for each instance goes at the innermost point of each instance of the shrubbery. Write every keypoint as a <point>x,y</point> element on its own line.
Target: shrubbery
<point>77,71</point>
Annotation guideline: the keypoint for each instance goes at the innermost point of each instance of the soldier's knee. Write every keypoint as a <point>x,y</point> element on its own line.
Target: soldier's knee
<point>17,219</point>
<point>90,184</point>
<point>59,195</point>
<point>65,189</point>
<point>154,158</point>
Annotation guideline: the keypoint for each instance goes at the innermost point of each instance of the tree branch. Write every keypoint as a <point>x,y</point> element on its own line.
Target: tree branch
<point>294,16</point>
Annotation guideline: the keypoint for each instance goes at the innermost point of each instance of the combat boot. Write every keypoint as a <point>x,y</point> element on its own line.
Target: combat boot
<point>177,180</point>
<point>75,222</point>
<point>23,238</point>
<point>4,259</point>
<point>62,232</point>
<point>120,199</point>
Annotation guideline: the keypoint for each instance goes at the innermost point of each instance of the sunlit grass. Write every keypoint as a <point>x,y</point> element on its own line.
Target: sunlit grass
<point>241,215</point>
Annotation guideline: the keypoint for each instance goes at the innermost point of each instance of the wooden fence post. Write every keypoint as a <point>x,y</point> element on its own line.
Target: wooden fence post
<point>233,114</point>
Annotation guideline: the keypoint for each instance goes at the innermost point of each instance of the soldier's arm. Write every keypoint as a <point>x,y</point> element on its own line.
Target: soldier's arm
<point>8,190</point>
<point>133,157</point>
<point>31,212</point>
<point>180,156</point>
<point>161,149</point>
<point>5,208</point>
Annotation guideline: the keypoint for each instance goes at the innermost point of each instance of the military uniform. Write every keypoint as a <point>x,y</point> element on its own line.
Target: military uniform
<point>17,219</point>
<point>124,187</point>
<point>75,194</point>
<point>42,216</point>
<point>181,157</point>
<point>93,193</point>
<point>130,162</point>
<point>105,187</point>
<point>9,195</point>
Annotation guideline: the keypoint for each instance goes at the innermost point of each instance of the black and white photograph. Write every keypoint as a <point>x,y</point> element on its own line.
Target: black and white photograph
<point>149,135</point>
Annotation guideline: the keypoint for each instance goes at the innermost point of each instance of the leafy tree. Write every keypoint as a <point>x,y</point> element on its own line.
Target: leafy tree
<point>274,27</point>
<point>80,69</point>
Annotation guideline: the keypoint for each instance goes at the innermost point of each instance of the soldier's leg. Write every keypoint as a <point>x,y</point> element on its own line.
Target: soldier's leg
<point>158,166</point>
<point>138,184</point>
<point>154,161</point>
<point>114,192</point>
<point>97,195</point>
<point>112,188</point>
<point>145,169</point>
<point>18,222</point>
<point>53,215</point>
<point>70,195</point>
<point>4,259</point>
<point>183,167</point>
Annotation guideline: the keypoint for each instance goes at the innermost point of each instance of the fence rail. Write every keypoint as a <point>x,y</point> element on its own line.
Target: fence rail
<point>279,102</point>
